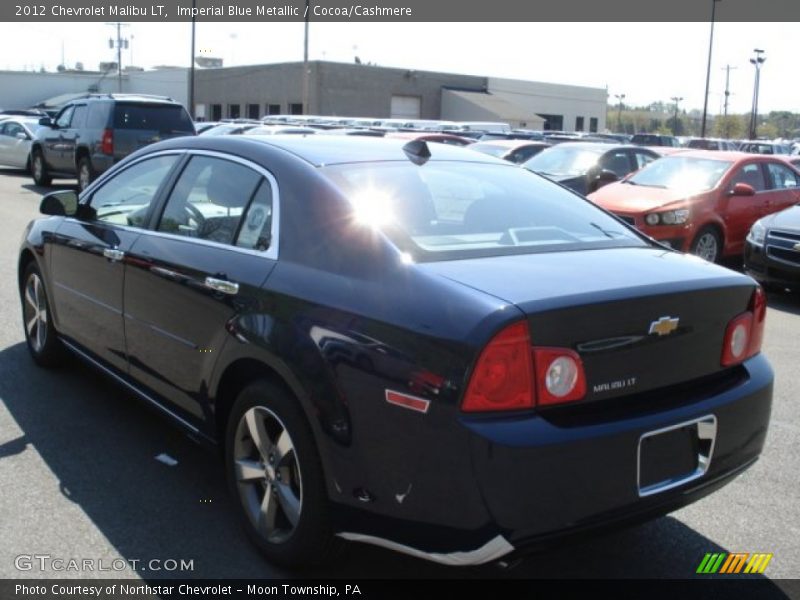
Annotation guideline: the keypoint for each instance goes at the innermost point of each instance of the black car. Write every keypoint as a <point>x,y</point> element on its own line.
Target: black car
<point>587,166</point>
<point>772,249</point>
<point>654,139</point>
<point>91,134</point>
<point>407,344</point>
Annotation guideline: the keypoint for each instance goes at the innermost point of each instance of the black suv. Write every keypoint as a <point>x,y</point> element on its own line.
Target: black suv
<point>90,134</point>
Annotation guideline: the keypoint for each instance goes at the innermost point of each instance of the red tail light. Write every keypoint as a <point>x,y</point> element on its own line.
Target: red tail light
<point>745,333</point>
<point>107,143</point>
<point>510,374</point>
<point>502,379</point>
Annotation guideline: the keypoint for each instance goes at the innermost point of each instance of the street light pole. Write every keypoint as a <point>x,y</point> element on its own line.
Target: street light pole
<point>191,65</point>
<point>676,100</point>
<point>619,97</point>
<point>305,60</point>
<point>708,69</point>
<point>756,62</point>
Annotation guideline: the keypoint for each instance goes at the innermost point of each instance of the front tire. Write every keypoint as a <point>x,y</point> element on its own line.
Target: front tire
<point>41,177</point>
<point>275,475</point>
<point>707,245</point>
<point>40,333</point>
<point>86,174</point>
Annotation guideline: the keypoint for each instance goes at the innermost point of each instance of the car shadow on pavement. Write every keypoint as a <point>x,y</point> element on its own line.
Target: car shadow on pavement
<point>784,301</point>
<point>101,446</point>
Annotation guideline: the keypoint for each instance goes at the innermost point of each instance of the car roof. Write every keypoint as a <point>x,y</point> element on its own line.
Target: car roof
<point>320,150</point>
<point>728,156</point>
<point>514,144</point>
<point>599,146</point>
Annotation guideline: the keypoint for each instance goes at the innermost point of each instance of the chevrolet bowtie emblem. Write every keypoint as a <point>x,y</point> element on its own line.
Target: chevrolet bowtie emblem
<point>664,326</point>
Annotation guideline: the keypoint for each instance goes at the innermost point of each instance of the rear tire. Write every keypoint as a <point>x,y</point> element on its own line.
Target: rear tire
<point>37,320</point>
<point>86,174</point>
<point>41,177</point>
<point>276,478</point>
<point>707,245</point>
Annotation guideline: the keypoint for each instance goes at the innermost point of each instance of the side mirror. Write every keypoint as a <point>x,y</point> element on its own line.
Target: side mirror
<point>606,176</point>
<point>22,135</point>
<point>46,122</point>
<point>743,189</point>
<point>61,204</point>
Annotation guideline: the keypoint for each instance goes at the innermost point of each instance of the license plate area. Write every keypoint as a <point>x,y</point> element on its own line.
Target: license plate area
<point>675,455</point>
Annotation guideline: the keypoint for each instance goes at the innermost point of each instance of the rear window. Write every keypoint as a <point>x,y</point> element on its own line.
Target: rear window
<point>449,210</point>
<point>164,118</point>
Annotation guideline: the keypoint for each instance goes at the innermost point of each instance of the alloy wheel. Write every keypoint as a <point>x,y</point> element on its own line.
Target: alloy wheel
<point>35,308</point>
<point>267,474</point>
<point>707,247</point>
<point>84,178</point>
<point>37,167</point>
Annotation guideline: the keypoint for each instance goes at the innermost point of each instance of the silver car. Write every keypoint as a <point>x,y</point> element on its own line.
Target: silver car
<point>16,135</point>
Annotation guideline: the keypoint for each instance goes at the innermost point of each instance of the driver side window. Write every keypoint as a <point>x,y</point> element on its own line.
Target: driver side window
<point>125,199</point>
<point>208,200</point>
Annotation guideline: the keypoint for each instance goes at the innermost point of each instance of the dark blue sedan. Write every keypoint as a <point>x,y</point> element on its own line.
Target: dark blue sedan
<point>402,343</point>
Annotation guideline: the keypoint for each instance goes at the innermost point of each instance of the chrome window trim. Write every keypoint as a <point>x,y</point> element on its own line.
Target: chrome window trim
<point>271,253</point>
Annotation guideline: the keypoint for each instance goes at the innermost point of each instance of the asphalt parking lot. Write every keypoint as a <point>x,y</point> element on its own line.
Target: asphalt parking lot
<point>80,479</point>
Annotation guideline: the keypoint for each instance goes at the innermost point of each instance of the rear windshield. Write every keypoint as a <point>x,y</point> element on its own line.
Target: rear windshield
<point>449,210</point>
<point>164,118</point>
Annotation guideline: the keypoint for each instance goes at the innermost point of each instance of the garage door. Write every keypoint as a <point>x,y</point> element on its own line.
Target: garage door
<point>405,107</point>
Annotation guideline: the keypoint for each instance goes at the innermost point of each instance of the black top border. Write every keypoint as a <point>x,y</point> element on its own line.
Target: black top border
<point>400,11</point>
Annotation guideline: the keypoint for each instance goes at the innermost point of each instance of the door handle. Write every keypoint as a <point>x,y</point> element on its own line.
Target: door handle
<point>221,285</point>
<point>113,254</point>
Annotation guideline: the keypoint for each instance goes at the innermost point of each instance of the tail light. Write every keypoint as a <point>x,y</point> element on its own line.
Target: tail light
<point>745,332</point>
<point>510,374</point>
<point>502,379</point>
<point>107,143</point>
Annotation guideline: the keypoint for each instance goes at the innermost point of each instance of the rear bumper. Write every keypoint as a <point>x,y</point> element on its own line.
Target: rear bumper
<point>544,480</point>
<point>541,479</point>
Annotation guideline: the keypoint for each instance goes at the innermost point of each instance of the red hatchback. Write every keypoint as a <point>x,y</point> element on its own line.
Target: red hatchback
<point>701,201</point>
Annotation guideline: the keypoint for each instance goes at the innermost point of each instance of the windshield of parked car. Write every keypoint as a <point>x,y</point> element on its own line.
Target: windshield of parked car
<point>681,173</point>
<point>564,161</point>
<point>446,210</point>
<point>490,149</point>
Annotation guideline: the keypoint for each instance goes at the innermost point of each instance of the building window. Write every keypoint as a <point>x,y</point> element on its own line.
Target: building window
<point>593,124</point>
<point>233,111</point>
<point>216,112</point>
<point>252,111</point>
<point>296,108</point>
<point>578,123</point>
<point>553,122</point>
<point>273,109</point>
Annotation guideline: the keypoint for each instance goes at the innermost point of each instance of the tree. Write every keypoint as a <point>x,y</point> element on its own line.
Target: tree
<point>730,127</point>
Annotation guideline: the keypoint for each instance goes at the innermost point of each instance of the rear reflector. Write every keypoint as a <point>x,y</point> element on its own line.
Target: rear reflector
<point>503,378</point>
<point>406,401</point>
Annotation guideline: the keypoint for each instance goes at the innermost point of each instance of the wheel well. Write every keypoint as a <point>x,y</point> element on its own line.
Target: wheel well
<point>25,258</point>
<point>236,377</point>
<point>79,154</point>
<point>716,227</point>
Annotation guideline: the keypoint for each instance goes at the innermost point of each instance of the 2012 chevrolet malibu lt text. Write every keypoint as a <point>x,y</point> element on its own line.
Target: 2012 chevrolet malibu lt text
<point>402,343</point>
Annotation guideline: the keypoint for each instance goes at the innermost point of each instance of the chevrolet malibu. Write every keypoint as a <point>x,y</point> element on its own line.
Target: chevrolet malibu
<point>409,345</point>
<point>703,202</point>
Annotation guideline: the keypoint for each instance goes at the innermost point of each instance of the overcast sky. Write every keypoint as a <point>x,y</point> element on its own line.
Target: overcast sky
<point>646,61</point>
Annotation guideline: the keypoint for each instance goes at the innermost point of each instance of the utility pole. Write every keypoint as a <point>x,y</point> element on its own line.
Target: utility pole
<point>708,69</point>
<point>757,61</point>
<point>676,100</point>
<point>120,44</point>
<point>620,98</point>
<point>727,86</point>
<point>305,59</point>
<point>191,65</point>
